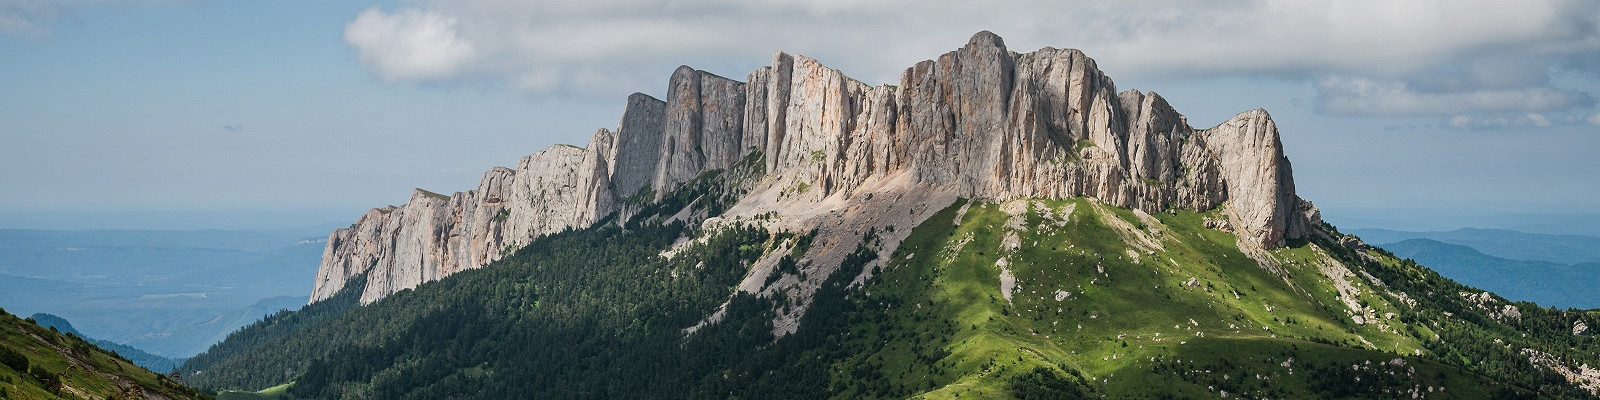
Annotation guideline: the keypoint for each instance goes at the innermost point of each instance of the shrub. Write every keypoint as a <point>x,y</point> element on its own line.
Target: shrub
<point>49,379</point>
<point>11,358</point>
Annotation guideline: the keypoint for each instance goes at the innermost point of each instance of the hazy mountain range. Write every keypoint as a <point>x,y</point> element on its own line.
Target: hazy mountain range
<point>1551,270</point>
<point>172,293</point>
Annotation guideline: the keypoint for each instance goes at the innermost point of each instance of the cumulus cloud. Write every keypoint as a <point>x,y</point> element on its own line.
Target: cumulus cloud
<point>409,45</point>
<point>1441,57</point>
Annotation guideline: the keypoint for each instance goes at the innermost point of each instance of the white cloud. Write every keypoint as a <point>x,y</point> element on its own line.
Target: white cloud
<point>1490,120</point>
<point>1501,121</point>
<point>409,45</point>
<point>1538,120</point>
<point>1349,95</point>
<point>1432,56</point>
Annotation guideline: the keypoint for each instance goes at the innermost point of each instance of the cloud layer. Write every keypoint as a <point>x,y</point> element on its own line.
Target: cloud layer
<point>1437,57</point>
<point>1345,95</point>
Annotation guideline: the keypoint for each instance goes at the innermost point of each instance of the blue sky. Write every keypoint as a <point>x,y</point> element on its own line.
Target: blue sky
<point>1402,115</point>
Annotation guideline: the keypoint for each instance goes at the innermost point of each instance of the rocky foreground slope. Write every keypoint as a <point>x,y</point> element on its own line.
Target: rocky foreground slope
<point>37,362</point>
<point>835,154</point>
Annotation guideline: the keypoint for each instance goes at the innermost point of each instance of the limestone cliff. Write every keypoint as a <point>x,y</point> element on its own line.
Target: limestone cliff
<point>434,235</point>
<point>981,122</point>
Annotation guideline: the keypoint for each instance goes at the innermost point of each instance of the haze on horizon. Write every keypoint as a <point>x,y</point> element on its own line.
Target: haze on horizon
<point>1415,113</point>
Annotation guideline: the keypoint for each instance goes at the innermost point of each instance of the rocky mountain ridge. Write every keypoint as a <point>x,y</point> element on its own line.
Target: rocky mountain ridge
<point>977,122</point>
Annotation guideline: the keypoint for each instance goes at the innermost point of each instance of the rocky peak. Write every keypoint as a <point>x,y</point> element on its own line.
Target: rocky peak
<point>1259,179</point>
<point>638,144</point>
<point>704,116</point>
<point>1151,151</point>
<point>980,121</point>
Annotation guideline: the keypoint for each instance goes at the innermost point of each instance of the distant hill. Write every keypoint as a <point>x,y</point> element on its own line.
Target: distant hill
<point>139,357</point>
<point>169,293</point>
<point>1514,245</point>
<point>246,241</point>
<point>1545,283</point>
<point>37,362</point>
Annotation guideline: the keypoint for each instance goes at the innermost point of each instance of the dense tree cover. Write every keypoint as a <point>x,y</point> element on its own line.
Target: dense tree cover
<point>271,359</point>
<point>591,313</point>
<point>1044,384</point>
<point>580,314</point>
<point>12,358</point>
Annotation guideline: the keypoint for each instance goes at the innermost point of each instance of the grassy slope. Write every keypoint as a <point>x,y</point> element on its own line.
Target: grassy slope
<point>280,392</point>
<point>83,370</point>
<point>142,358</point>
<point>1128,329</point>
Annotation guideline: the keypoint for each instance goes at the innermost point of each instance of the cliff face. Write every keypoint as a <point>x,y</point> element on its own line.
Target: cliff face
<point>979,122</point>
<point>434,235</point>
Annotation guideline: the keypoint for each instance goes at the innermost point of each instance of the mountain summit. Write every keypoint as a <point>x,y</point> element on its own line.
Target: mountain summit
<point>978,122</point>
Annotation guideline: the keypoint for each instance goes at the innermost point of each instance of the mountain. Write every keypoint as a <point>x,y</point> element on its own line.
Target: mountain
<point>41,363</point>
<point>1562,249</point>
<point>1546,283</point>
<point>998,225</point>
<point>138,357</point>
<point>978,122</point>
<point>1436,217</point>
<point>171,293</point>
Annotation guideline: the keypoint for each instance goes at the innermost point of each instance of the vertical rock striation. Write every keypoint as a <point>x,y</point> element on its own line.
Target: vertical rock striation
<point>980,121</point>
<point>433,235</point>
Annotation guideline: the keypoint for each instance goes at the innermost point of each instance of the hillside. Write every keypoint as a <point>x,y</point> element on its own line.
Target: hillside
<point>1546,283</point>
<point>999,225</point>
<point>41,363</point>
<point>138,357</point>
<point>1108,302</point>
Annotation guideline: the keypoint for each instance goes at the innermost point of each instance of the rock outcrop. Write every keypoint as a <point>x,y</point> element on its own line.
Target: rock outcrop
<point>980,121</point>
<point>434,235</point>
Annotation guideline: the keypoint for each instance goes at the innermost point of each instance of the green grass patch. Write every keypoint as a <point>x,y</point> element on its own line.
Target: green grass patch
<point>280,392</point>
<point>1106,321</point>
